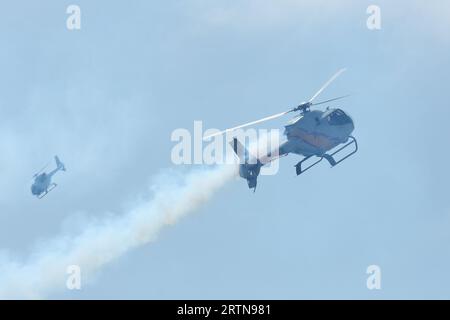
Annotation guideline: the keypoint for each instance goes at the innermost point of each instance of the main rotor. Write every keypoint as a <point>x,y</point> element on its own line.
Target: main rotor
<point>302,107</point>
<point>305,106</point>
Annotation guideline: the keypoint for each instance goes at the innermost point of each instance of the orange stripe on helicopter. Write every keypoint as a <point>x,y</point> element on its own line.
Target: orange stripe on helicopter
<point>316,140</point>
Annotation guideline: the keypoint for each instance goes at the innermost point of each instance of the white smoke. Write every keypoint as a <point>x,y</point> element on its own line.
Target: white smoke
<point>107,239</point>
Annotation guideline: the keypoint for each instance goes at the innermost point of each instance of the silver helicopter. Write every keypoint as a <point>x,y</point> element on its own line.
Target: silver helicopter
<point>312,133</point>
<point>43,181</point>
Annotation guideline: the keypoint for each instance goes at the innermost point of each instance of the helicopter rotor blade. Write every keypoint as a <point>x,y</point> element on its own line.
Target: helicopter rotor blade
<point>43,168</point>
<point>248,124</point>
<point>337,74</point>
<point>326,101</point>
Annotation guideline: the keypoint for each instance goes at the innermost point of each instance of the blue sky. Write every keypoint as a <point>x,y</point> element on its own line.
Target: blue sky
<point>107,97</point>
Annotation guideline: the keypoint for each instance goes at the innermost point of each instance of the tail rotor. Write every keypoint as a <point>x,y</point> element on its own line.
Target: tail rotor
<point>59,164</point>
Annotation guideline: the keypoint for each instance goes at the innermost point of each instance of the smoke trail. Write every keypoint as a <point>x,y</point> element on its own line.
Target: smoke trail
<point>106,240</point>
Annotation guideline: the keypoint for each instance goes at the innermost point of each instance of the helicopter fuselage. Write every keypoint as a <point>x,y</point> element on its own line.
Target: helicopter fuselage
<point>316,132</point>
<point>42,183</point>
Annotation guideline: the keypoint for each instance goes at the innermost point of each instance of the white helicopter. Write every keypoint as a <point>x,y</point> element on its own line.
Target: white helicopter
<point>311,133</point>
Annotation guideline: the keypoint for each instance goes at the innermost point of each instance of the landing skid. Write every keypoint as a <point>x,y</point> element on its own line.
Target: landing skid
<point>329,157</point>
<point>52,186</point>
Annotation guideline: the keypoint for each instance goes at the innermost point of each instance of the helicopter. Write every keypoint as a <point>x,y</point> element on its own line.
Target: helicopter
<point>311,133</point>
<point>43,181</point>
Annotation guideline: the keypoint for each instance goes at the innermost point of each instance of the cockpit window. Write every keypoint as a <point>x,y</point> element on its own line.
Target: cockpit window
<point>338,118</point>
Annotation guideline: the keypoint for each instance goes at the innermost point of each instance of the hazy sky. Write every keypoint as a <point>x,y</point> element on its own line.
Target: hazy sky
<point>106,99</point>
